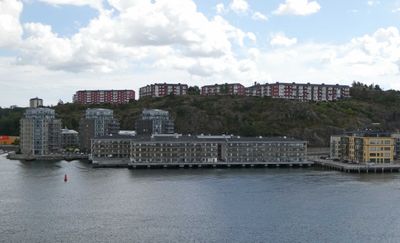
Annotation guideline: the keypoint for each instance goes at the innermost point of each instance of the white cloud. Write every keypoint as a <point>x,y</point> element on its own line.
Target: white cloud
<point>396,10</point>
<point>371,58</point>
<point>373,2</point>
<point>239,6</point>
<point>170,40</point>
<point>220,8</point>
<point>298,7</point>
<point>259,16</point>
<point>97,4</point>
<point>143,32</point>
<point>252,36</point>
<point>280,39</point>
<point>10,28</point>
<point>122,5</point>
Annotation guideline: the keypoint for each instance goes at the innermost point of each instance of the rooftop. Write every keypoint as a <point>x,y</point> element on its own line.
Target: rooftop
<point>200,138</point>
<point>304,84</point>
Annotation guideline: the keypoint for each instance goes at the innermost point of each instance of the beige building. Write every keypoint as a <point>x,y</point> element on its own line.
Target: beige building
<point>364,147</point>
<point>40,132</point>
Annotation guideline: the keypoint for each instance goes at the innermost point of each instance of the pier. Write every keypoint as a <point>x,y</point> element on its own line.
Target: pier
<point>355,168</point>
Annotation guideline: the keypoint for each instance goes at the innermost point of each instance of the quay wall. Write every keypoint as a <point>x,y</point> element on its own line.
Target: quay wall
<point>117,163</point>
<point>14,156</point>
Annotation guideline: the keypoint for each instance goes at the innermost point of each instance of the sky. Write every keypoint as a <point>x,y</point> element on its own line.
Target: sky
<point>52,48</point>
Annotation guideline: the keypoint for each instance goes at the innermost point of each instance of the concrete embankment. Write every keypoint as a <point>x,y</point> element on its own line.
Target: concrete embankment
<point>53,157</point>
<point>125,163</point>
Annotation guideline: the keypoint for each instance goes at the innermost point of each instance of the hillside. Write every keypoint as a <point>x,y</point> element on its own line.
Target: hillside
<point>250,116</point>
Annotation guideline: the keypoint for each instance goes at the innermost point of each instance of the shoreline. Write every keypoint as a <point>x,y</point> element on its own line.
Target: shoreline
<point>312,162</point>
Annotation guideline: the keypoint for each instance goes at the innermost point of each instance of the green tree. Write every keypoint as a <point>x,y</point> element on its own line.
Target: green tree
<point>194,90</point>
<point>224,89</point>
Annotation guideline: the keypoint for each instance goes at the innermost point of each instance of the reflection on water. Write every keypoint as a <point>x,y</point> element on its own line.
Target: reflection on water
<point>202,205</point>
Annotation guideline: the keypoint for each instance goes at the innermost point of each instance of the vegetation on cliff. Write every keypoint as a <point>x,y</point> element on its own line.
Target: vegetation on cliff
<point>249,116</point>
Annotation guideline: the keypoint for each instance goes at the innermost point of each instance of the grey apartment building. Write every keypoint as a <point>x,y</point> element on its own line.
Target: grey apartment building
<point>223,89</point>
<point>154,121</point>
<point>40,132</point>
<point>96,123</point>
<point>175,149</point>
<point>69,138</point>
<point>300,91</point>
<point>35,102</point>
<point>163,89</point>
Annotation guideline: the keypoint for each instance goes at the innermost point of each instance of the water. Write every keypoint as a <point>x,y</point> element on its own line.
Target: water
<point>194,205</point>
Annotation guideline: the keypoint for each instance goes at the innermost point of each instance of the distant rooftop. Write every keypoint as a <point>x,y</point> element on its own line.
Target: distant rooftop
<point>369,133</point>
<point>304,84</point>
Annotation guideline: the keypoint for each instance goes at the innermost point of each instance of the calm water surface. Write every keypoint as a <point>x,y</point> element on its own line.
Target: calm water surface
<point>194,205</point>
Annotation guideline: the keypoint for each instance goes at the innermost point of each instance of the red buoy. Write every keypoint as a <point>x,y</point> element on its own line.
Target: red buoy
<point>65,178</point>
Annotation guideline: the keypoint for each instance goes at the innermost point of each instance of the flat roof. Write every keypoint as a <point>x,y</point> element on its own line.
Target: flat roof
<point>213,85</point>
<point>99,90</point>
<point>200,138</point>
<point>164,84</point>
<point>304,84</point>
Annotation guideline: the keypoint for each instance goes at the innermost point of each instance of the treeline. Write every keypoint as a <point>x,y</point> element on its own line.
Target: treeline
<point>249,116</point>
<point>9,121</point>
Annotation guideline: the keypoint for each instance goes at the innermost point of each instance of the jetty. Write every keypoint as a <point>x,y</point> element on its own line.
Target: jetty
<point>355,168</point>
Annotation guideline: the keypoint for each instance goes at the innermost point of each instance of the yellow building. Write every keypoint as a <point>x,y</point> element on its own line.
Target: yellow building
<point>379,149</point>
<point>369,148</point>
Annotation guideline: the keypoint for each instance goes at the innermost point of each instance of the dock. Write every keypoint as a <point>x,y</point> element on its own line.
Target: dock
<point>355,168</point>
<point>126,163</point>
<point>220,165</point>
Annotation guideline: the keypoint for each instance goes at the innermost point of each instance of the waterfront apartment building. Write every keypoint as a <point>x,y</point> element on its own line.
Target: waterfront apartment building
<point>223,89</point>
<point>335,147</point>
<point>69,138</point>
<point>90,97</point>
<point>35,103</point>
<point>96,123</point>
<point>154,121</point>
<point>40,132</point>
<point>301,92</point>
<point>366,147</point>
<point>163,89</point>
<point>175,149</point>
<point>396,137</point>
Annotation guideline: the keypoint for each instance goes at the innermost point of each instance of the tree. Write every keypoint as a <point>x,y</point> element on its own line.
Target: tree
<point>378,88</point>
<point>193,90</point>
<point>224,89</point>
